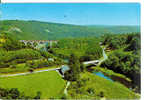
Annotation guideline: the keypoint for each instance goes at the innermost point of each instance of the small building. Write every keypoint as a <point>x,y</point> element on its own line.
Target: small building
<point>64,68</point>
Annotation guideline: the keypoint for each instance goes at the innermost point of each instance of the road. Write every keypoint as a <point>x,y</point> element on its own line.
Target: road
<point>26,73</point>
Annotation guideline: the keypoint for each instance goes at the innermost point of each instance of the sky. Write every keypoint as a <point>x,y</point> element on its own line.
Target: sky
<point>74,13</point>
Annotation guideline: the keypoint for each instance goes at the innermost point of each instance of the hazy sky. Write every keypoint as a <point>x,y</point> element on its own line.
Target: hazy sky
<point>80,14</point>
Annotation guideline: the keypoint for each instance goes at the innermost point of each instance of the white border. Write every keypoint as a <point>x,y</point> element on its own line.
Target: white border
<point>105,1</point>
<point>66,1</point>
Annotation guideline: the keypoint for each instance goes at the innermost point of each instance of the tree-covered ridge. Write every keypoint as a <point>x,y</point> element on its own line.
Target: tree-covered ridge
<point>28,30</point>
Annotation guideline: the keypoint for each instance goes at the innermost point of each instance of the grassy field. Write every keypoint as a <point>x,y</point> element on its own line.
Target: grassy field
<point>50,84</point>
<point>96,84</point>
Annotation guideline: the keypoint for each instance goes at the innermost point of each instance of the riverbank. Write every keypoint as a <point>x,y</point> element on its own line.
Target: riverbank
<point>114,76</point>
<point>91,86</point>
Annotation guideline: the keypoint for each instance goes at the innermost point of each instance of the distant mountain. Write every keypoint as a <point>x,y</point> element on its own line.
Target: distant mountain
<point>36,30</point>
<point>119,29</point>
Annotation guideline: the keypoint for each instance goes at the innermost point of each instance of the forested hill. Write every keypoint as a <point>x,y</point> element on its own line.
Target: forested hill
<point>36,30</point>
<point>119,29</point>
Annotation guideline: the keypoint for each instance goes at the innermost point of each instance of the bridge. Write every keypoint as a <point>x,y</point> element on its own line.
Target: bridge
<point>93,62</point>
<point>39,42</point>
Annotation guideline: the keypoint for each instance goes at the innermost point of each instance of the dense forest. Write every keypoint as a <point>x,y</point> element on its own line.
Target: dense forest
<point>125,56</point>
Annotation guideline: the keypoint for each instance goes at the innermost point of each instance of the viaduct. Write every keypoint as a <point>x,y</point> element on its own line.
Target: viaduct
<point>39,42</point>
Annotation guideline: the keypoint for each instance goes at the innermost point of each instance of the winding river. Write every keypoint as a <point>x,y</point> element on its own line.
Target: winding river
<point>112,77</point>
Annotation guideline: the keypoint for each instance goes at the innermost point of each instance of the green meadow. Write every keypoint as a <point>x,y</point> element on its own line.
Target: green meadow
<point>50,84</point>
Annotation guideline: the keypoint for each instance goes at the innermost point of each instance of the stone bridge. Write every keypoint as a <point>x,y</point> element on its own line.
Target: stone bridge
<point>39,42</point>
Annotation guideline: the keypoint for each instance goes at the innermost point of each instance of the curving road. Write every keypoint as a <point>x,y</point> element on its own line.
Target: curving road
<point>65,90</point>
<point>104,55</point>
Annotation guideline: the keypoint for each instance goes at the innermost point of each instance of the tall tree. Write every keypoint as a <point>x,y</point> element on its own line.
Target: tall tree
<point>74,65</point>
